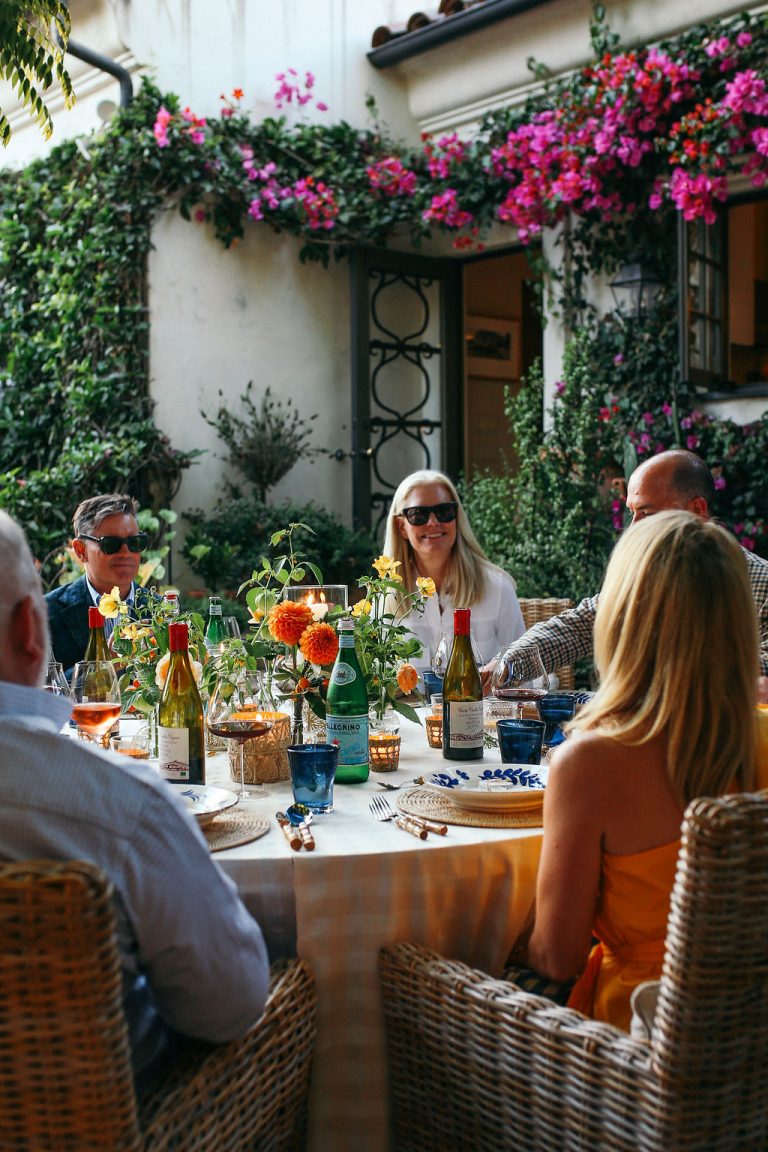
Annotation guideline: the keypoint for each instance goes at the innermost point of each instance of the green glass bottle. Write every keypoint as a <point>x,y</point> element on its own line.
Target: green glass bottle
<point>462,696</point>
<point>180,735</point>
<point>346,720</point>
<point>96,648</point>
<point>215,633</point>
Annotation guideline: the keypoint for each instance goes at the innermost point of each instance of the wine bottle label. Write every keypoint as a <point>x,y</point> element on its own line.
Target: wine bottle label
<point>173,753</point>
<point>466,723</point>
<point>342,674</point>
<point>351,735</point>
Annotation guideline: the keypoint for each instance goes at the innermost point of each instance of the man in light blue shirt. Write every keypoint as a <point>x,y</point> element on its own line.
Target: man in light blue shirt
<point>194,961</point>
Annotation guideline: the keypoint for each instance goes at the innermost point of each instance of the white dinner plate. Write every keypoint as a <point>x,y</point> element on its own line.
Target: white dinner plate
<point>493,789</point>
<point>206,803</point>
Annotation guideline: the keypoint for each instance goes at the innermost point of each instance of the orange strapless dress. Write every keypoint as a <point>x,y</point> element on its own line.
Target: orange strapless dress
<point>631,922</point>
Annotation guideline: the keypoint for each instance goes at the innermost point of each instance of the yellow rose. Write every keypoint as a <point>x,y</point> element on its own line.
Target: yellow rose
<point>161,670</point>
<point>362,608</point>
<point>426,585</point>
<point>110,604</point>
<point>134,632</point>
<point>386,567</point>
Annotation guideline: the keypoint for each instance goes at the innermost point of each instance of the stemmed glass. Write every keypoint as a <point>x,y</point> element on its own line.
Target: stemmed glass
<point>55,680</point>
<point>95,695</point>
<point>440,657</point>
<point>520,677</point>
<point>234,713</point>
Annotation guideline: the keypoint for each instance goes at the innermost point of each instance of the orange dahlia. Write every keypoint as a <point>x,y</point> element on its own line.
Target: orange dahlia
<point>407,678</point>
<point>287,620</point>
<point>319,644</point>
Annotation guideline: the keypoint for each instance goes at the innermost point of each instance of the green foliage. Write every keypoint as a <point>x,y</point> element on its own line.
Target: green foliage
<point>550,525</point>
<point>75,412</point>
<point>33,39</point>
<point>267,442</point>
<point>224,547</point>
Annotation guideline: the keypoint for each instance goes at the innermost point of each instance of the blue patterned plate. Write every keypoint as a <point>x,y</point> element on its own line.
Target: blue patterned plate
<point>497,789</point>
<point>205,803</point>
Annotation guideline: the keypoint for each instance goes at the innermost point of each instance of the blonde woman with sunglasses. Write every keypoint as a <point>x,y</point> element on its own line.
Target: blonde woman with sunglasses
<point>429,533</point>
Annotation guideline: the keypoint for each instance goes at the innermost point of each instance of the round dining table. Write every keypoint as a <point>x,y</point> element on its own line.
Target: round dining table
<point>466,894</point>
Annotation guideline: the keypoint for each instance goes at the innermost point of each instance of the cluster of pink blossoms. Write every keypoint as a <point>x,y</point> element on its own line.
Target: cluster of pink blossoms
<point>292,91</point>
<point>391,178</point>
<point>444,209</point>
<point>195,129</point>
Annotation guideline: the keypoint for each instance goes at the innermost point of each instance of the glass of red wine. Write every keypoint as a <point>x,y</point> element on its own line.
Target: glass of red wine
<point>520,678</point>
<point>234,713</point>
<point>95,695</point>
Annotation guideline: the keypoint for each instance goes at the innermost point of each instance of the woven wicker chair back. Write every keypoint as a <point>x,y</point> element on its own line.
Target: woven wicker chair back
<point>478,1065</point>
<point>65,1068</point>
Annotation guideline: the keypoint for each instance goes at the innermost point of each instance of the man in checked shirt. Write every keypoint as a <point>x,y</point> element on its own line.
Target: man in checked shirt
<point>673,479</point>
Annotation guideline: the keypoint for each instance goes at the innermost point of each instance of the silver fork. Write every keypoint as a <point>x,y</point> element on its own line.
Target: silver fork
<point>381,810</point>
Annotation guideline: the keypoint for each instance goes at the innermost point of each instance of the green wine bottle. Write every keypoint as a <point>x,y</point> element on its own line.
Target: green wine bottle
<point>181,736</point>
<point>462,696</point>
<point>215,632</point>
<point>346,719</point>
<point>96,648</point>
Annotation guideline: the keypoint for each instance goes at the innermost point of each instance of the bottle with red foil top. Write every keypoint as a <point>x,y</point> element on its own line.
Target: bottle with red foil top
<point>462,696</point>
<point>180,734</point>
<point>96,648</point>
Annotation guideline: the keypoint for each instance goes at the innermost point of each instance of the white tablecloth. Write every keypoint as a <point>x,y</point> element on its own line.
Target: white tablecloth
<point>365,885</point>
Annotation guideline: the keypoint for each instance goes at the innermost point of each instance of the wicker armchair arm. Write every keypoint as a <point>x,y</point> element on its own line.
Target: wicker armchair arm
<point>229,1095</point>
<point>530,1065</point>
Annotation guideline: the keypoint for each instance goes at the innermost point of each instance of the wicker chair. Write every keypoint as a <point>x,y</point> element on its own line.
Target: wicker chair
<point>65,1070</point>
<point>479,1066</point>
<point>536,610</point>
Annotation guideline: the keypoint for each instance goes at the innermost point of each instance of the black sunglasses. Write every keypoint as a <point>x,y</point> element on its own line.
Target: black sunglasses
<point>109,545</point>
<point>420,513</point>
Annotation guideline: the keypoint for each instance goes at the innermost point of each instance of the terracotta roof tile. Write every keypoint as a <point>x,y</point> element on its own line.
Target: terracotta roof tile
<point>384,34</point>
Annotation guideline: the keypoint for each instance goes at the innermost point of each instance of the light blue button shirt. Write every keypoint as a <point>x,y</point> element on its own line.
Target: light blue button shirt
<point>183,932</point>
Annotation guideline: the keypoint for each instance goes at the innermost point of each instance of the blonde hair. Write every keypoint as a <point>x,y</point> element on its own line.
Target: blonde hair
<point>467,564</point>
<point>677,651</point>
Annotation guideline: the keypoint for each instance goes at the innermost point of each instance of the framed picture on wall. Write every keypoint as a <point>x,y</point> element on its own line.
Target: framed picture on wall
<point>492,347</point>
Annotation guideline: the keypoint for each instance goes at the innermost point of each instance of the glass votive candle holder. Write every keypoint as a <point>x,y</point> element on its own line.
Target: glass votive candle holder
<point>319,597</point>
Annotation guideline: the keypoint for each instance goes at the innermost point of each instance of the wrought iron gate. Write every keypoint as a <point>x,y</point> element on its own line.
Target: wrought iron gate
<point>407,410</point>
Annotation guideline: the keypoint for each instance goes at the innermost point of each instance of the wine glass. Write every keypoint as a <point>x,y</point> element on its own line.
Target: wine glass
<point>234,714</point>
<point>231,627</point>
<point>55,680</point>
<point>440,657</point>
<point>95,695</point>
<point>520,677</point>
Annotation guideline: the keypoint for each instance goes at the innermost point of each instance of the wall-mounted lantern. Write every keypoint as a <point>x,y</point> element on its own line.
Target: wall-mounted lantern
<point>636,287</point>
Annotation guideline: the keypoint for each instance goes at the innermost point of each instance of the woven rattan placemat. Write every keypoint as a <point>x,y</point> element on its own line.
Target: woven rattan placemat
<point>233,828</point>
<point>434,806</point>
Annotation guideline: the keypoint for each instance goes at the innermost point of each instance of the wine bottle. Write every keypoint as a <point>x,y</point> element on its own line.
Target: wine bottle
<point>181,736</point>
<point>96,648</point>
<point>346,719</point>
<point>462,696</point>
<point>214,632</point>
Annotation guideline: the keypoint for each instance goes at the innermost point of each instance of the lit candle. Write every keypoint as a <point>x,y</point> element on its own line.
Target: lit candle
<point>319,608</point>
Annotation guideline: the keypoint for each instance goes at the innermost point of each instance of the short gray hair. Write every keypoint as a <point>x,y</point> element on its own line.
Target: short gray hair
<point>90,513</point>
<point>18,572</point>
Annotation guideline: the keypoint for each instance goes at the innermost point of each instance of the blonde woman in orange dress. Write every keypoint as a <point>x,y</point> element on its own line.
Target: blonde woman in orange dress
<point>675,717</point>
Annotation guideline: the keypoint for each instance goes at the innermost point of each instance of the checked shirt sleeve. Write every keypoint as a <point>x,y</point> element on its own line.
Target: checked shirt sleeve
<point>565,638</point>
<point>758,575</point>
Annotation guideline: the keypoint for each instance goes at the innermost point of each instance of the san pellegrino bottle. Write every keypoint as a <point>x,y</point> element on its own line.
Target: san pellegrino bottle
<point>214,632</point>
<point>346,720</point>
<point>462,696</point>
<point>180,733</point>
<point>96,648</point>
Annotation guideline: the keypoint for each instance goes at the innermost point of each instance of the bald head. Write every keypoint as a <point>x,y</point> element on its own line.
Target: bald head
<point>673,479</point>
<point>23,617</point>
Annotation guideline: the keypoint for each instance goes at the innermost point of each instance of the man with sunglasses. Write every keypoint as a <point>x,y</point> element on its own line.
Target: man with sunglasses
<point>108,543</point>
